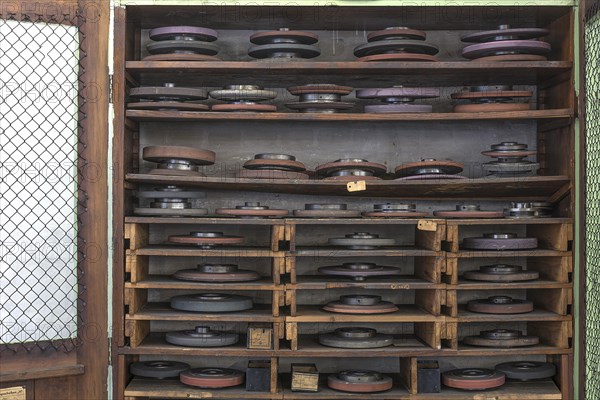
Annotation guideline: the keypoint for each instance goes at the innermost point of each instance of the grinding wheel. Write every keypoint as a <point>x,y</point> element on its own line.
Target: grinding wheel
<point>182,46</point>
<point>468,211</point>
<point>320,88</point>
<point>500,241</point>
<point>359,271</point>
<point>430,177</point>
<point>180,57</point>
<point>167,93</point>
<point>473,379</point>
<point>501,273</point>
<point>284,35</point>
<point>320,98</point>
<point>360,304</point>
<point>395,46</point>
<point>170,201</point>
<point>244,107</point>
<point>350,164</point>
<point>527,370</point>
<point>478,50</point>
<point>202,336</point>
<point>356,338</point>
<point>520,210</point>
<point>190,32</point>
<point>167,105</point>
<point>158,369</point>
<point>500,305</point>
<point>315,210</point>
<point>398,57</point>
<point>251,210</point>
<point>212,378</point>
<point>490,107</point>
<point>428,166</point>
<point>504,32</point>
<point>206,240</point>
<point>509,150</point>
<point>491,99</point>
<point>211,303</point>
<point>271,174</point>
<point>396,32</point>
<point>501,338</point>
<point>170,212</point>
<point>241,98</point>
<point>359,381</point>
<point>220,273</point>
<point>397,99</point>
<point>395,210</point>
<point>362,241</point>
<point>164,154</point>
<point>284,44</point>
<point>511,57</point>
<point>352,176</point>
<point>274,161</point>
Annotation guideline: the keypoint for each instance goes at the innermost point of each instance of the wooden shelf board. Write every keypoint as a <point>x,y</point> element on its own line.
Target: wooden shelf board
<point>360,221</point>
<point>527,188</point>
<point>162,312</point>
<point>203,221</point>
<point>326,393</point>
<point>464,253</point>
<point>464,284</point>
<point>167,282</point>
<point>466,350</point>
<point>408,282</point>
<point>330,251</point>
<point>535,315</point>
<point>509,221</point>
<point>189,251</point>
<point>407,313</point>
<point>533,390</point>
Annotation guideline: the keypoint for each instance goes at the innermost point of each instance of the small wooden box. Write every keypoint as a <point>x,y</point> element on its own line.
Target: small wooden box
<point>305,378</point>
<point>260,336</point>
<point>258,376</point>
<point>428,377</point>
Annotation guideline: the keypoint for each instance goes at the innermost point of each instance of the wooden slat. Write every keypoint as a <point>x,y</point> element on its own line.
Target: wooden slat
<point>204,220</point>
<point>399,282</point>
<point>167,282</point>
<point>162,312</point>
<point>535,315</point>
<point>189,251</point>
<point>406,313</point>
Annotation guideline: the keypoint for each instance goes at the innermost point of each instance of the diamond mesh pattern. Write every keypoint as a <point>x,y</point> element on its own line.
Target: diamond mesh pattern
<point>41,142</point>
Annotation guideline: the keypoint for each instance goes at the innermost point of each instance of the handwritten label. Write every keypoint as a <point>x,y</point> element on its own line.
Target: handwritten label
<point>356,186</point>
<point>400,286</point>
<point>13,393</point>
<point>425,225</point>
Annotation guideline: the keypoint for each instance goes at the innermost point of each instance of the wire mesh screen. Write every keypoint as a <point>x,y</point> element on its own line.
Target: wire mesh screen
<point>592,223</point>
<point>41,138</point>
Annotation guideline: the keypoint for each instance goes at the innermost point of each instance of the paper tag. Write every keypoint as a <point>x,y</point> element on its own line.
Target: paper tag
<point>425,225</point>
<point>13,393</point>
<point>356,186</point>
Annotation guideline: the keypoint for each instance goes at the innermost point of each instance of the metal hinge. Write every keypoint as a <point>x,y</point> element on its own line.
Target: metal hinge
<point>110,88</point>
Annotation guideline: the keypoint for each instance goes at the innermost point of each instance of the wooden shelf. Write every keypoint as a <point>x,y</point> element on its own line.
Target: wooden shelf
<point>526,188</point>
<point>407,346</point>
<point>464,284</point>
<point>204,221</point>
<point>188,251</point>
<point>327,393</point>
<point>508,221</point>
<point>167,282</point>
<point>535,315</point>
<point>464,253</point>
<point>330,251</point>
<point>471,351</point>
<point>162,312</point>
<point>407,313</point>
<point>320,282</point>
<point>360,221</point>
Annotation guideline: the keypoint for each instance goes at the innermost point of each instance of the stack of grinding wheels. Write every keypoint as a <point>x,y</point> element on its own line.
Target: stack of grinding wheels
<point>167,97</point>
<point>468,211</point>
<point>396,44</point>
<point>510,160</point>
<point>537,209</point>
<point>360,304</point>
<point>501,338</point>
<point>211,303</point>
<point>216,273</point>
<point>491,99</point>
<point>317,210</point>
<point>394,210</point>
<point>398,99</point>
<point>501,273</point>
<point>170,201</point>
<point>484,378</point>
<point>429,168</point>
<point>243,98</point>
<point>320,98</point>
<point>500,241</point>
<point>500,305</point>
<point>273,166</point>
<point>362,241</point>
<point>506,44</point>
<point>359,271</point>
<point>182,43</point>
<point>284,44</point>
<point>209,378</point>
<point>356,338</point>
<point>359,381</point>
<point>178,160</point>
<point>206,240</point>
<point>350,169</point>
<point>251,210</point>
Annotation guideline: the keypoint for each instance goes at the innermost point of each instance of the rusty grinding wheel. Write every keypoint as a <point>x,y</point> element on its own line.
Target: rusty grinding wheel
<point>170,201</point>
<point>284,45</point>
<point>491,99</point>
<point>212,378</point>
<point>395,210</point>
<point>500,305</point>
<point>429,168</point>
<point>211,303</point>
<point>202,336</point>
<point>360,304</point>
<point>501,338</point>
<point>510,160</point>
<point>359,381</point>
<point>182,40</point>
<point>178,160</point>
<point>392,43</point>
<point>362,241</point>
<point>398,99</point>
<point>206,240</point>
<point>526,370</point>
<point>350,169</point>
<point>243,98</point>
<point>251,210</point>
<point>356,338</point>
<point>320,98</point>
<point>501,273</point>
<point>218,273</point>
<point>468,211</point>
<point>167,97</point>
<point>158,369</point>
<point>500,241</point>
<point>507,44</point>
<point>359,271</point>
<point>319,210</point>
<point>473,379</point>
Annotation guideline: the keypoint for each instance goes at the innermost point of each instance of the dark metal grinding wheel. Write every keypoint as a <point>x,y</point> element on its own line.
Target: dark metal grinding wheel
<point>510,160</point>
<point>520,210</point>
<point>212,378</point>
<point>500,305</point>
<point>398,99</point>
<point>395,40</point>
<point>396,32</point>
<point>167,97</point>
<point>182,47</point>
<point>360,304</point>
<point>167,105</point>
<point>500,241</point>
<point>181,57</point>
<point>468,211</point>
<point>243,98</point>
<point>511,57</point>
<point>356,338</point>
<point>506,41</point>
<point>182,43</point>
<point>501,273</point>
<point>183,33</point>
<point>206,240</point>
<point>473,379</point>
<point>218,273</point>
<point>501,338</point>
<point>316,210</point>
<point>170,201</point>
<point>359,381</point>
<point>429,167</point>
<point>158,369</point>
<point>202,336</point>
<point>491,99</point>
<point>527,370</point>
<point>178,160</point>
<point>543,209</point>
<point>351,175</point>
<point>399,57</point>
<point>284,44</point>
<point>359,271</point>
<point>271,174</point>
<point>320,98</point>
<point>362,241</point>
<point>395,210</point>
<point>211,303</point>
<point>251,210</point>
<point>274,161</point>
<point>350,167</point>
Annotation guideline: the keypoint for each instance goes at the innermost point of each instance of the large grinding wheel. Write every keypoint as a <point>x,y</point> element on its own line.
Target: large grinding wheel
<point>351,168</point>
<point>212,378</point>
<point>398,99</point>
<point>170,201</point>
<point>396,44</point>
<point>500,305</point>
<point>429,168</point>
<point>360,304</point>
<point>217,273</point>
<point>527,370</point>
<point>274,161</point>
<point>468,211</point>
<point>359,381</point>
<point>178,160</point>
<point>501,338</point>
<point>167,97</point>
<point>473,379</point>
<point>202,336</point>
<point>187,32</point>
<point>500,241</point>
<point>501,273</point>
<point>182,40</point>
<point>243,98</point>
<point>510,160</point>
<point>251,210</point>
<point>356,338</point>
<point>320,98</point>
<point>359,271</point>
<point>395,210</point>
<point>158,369</point>
<point>507,44</point>
<point>206,240</point>
<point>183,47</point>
<point>284,44</point>
<point>316,210</point>
<point>211,303</point>
<point>362,241</point>
<point>491,99</point>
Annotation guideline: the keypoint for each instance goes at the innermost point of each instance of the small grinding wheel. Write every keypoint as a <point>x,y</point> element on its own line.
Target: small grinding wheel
<point>212,378</point>
<point>167,97</point>
<point>506,44</point>
<point>501,338</point>
<point>251,210</point>
<point>359,271</point>
<point>468,211</point>
<point>356,338</point>
<point>274,161</point>
<point>520,210</point>
<point>320,98</point>
<point>158,369</point>
<point>429,168</point>
<point>206,240</point>
<point>362,241</point>
<point>243,98</point>
<point>542,209</point>
<point>359,381</point>
<point>501,273</point>
<point>202,336</point>
<point>510,160</point>
<point>473,379</point>
<point>491,99</point>
<point>182,41</point>
<point>395,210</point>
<point>315,210</point>
<point>178,160</point>
<point>211,303</point>
<point>170,201</point>
<point>398,99</point>
<point>500,241</point>
<point>218,273</point>
<point>351,168</point>
<point>500,305</point>
<point>527,370</point>
<point>396,44</point>
<point>360,304</point>
<point>284,44</point>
